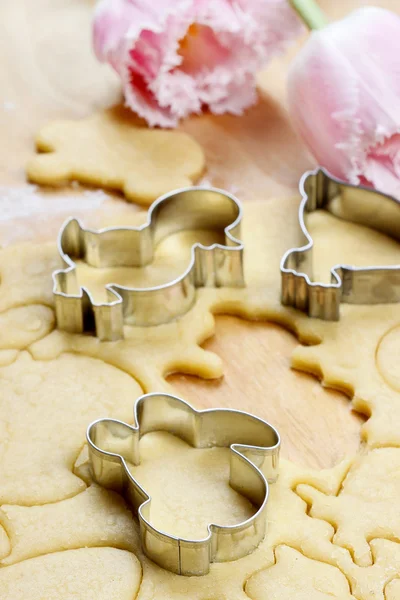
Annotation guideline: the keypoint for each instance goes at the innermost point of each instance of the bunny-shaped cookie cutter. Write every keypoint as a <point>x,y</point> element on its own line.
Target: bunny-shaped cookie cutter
<point>349,284</point>
<point>254,454</point>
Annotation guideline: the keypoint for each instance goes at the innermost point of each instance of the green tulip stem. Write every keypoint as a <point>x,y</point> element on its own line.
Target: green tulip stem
<point>310,13</point>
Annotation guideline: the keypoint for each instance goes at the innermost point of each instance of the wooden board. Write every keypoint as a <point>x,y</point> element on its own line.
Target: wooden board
<point>47,71</point>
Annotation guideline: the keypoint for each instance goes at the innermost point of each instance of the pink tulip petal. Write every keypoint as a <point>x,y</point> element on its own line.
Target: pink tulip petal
<point>344,96</point>
<point>176,56</point>
<point>382,168</point>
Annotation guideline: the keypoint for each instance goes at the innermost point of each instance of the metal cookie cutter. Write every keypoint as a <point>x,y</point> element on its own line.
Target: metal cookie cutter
<point>254,456</point>
<point>212,266</point>
<point>349,284</point>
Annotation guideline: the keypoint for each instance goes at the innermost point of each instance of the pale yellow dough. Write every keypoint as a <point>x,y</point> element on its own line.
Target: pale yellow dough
<point>113,149</point>
<point>331,534</point>
<point>84,574</point>
<point>45,408</point>
<point>96,517</point>
<point>294,576</point>
<point>392,590</point>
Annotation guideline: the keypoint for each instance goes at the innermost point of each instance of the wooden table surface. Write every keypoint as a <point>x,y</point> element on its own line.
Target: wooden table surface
<point>48,71</point>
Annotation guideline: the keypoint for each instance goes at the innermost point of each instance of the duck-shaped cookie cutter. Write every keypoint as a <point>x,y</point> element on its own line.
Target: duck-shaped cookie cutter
<point>218,265</point>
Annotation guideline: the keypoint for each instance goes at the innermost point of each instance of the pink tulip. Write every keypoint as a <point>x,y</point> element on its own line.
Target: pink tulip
<point>344,96</point>
<point>176,56</point>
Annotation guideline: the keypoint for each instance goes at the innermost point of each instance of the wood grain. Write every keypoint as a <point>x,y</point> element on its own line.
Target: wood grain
<point>47,71</point>
<point>317,425</point>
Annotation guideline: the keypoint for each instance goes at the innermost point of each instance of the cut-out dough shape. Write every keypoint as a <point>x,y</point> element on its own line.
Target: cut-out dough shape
<point>24,270</point>
<point>113,150</point>
<point>95,517</point>
<point>84,574</point>
<point>23,325</point>
<point>45,409</point>
<point>295,576</point>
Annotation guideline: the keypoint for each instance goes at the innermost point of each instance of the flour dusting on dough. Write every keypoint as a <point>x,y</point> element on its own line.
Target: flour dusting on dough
<point>25,201</point>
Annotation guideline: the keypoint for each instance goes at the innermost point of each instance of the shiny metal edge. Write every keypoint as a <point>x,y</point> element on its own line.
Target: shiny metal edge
<point>166,550</point>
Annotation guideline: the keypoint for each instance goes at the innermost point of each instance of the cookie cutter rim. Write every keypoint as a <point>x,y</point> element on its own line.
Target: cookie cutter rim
<point>318,299</point>
<point>70,308</point>
<point>179,555</point>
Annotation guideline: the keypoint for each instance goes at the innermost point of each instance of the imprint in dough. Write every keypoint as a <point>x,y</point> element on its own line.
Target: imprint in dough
<point>112,149</point>
<point>388,358</point>
<point>189,487</point>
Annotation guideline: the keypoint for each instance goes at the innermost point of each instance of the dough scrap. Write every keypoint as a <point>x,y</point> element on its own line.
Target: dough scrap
<point>372,583</point>
<point>291,524</point>
<point>349,359</point>
<point>364,508</point>
<point>46,408</point>
<point>113,149</point>
<point>354,354</point>
<point>84,574</point>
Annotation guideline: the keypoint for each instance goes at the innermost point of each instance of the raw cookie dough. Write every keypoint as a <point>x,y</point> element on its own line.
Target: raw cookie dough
<point>364,508</point>
<point>295,576</point>
<point>23,325</point>
<point>84,574</point>
<point>335,241</point>
<point>113,149</point>
<point>345,354</point>
<point>392,590</point>
<point>25,274</point>
<point>45,408</point>
<point>95,517</point>
<point>193,491</point>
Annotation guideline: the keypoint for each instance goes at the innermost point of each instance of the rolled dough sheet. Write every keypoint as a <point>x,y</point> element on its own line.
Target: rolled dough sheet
<point>331,533</point>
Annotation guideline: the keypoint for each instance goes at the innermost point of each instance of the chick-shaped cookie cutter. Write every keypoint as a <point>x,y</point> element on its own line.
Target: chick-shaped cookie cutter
<point>349,284</point>
<point>254,455</point>
<point>217,265</point>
